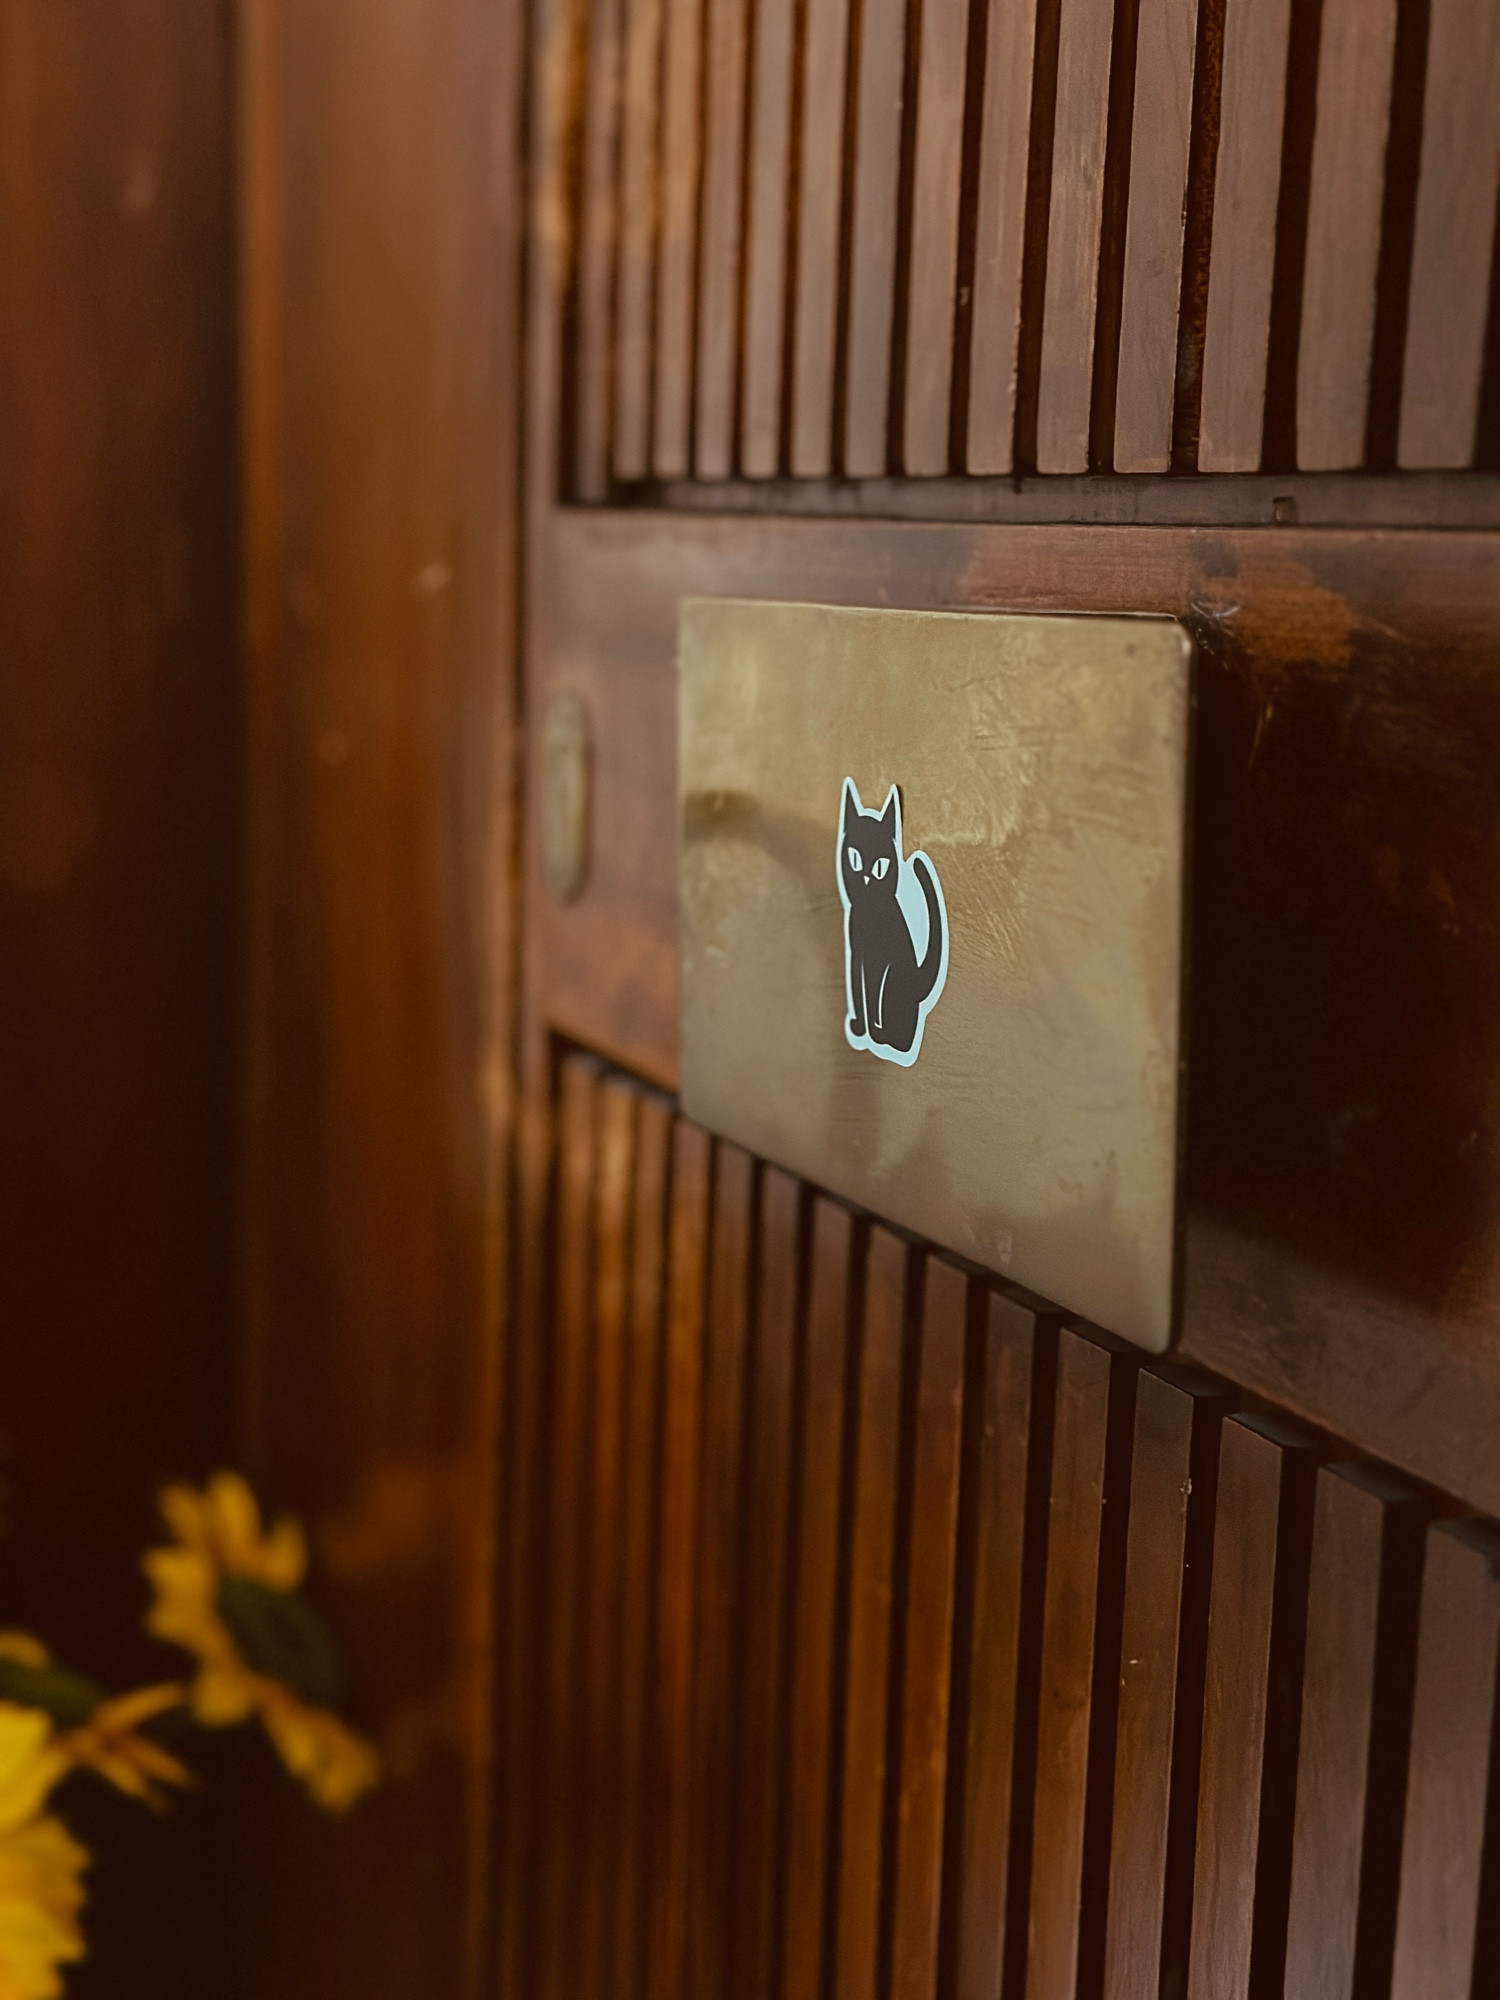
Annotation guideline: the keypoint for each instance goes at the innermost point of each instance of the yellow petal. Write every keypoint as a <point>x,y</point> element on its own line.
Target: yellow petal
<point>333,1763</point>
<point>24,1649</point>
<point>235,1517</point>
<point>29,1763</point>
<point>223,1694</point>
<point>282,1561</point>
<point>186,1515</point>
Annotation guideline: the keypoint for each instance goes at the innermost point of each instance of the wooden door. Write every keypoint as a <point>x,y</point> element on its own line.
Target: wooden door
<point>867,1628</point>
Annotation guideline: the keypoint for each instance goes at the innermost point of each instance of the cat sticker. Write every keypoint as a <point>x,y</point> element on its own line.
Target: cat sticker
<point>895,931</point>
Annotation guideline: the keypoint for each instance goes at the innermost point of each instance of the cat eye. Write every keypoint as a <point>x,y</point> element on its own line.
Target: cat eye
<point>854,861</point>
<point>881,868</point>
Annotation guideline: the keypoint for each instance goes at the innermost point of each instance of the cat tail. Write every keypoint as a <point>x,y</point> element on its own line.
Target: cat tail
<point>932,963</point>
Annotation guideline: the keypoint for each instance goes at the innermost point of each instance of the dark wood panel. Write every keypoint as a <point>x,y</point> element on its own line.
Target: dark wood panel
<point>1166,44</point>
<point>1010,1501</point>
<point>677,1539</point>
<point>636,279</point>
<point>1257,1606</point>
<point>1161,1636</point>
<point>1000,232</point>
<point>596,252</point>
<point>1453,1725</point>
<point>1454,231</point>
<point>625,1865</point>
<point>932,291</point>
<point>120,872</point>
<point>926,1662</point>
<point>872,1559</point>
<point>677,241</point>
<point>879,106</point>
<point>768,247</point>
<point>812,1722</point>
<point>1329,889</point>
<point>720,1637</point>
<point>760,1770</point>
<point>1354,1715</point>
<point>820,182</point>
<point>1077,1632</point>
<point>1247,186</point>
<point>1356,51</point>
<point>719,242</point>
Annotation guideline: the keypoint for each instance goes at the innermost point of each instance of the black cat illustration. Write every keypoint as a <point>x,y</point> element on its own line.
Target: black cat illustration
<point>890,991</point>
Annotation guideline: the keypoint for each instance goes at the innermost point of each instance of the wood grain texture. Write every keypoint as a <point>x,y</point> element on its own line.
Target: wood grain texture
<point>932,290</point>
<point>381,340</point>
<point>1455,227</point>
<point>994,1642</point>
<point>1245,1738</point>
<point>564,1622</point>
<point>595,1752</point>
<point>677,1540</point>
<point>718,1656</point>
<point>1069,1630</point>
<point>1077,209</point>
<point>876,141</point>
<point>1000,232</point>
<point>626,1864</point>
<point>640,112</point>
<point>720,237</point>
<point>1335,1747</point>
<point>825,62</point>
<point>768,239</point>
<point>121,855</point>
<point>926,1672</point>
<point>811,1721</point>
<point>1356,49</point>
<point>1246,189</point>
<point>1166,46</point>
<point>1156,1633</point>
<point>677,240</point>
<point>872,1559</point>
<point>1453,1725</point>
<point>759,1768</point>
<point>597,236</point>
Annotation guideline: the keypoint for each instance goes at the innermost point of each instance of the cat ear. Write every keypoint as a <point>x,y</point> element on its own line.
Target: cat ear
<point>890,812</point>
<point>852,803</point>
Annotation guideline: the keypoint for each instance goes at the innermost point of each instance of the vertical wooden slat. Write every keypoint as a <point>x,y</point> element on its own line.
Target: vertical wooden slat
<point>927,1661</point>
<point>1000,232</point>
<point>677,1561</point>
<point>1171,1415</point>
<point>1085,41</point>
<point>677,251</point>
<point>1001,1478</point>
<point>1453,1723</point>
<point>932,291</point>
<point>1065,1712</point>
<point>1239,1749</point>
<point>636,283</point>
<point>871,1559</point>
<point>596,250</point>
<point>810,1722</point>
<point>1357,43</point>
<point>872,264</point>
<point>595,1758</point>
<point>819,219</point>
<point>757,1792</point>
<point>1455,227</point>
<point>637,1556</point>
<point>1246,189</point>
<point>715,1808</point>
<point>1166,44</point>
<point>719,240</point>
<point>767,238</point>
<point>1335,1742</point>
<point>564,1527</point>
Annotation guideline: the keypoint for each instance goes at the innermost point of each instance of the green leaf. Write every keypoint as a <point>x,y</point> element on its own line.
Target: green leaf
<point>281,1635</point>
<point>69,1698</point>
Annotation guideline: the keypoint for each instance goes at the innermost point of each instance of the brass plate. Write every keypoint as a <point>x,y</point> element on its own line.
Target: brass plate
<point>1013,1093</point>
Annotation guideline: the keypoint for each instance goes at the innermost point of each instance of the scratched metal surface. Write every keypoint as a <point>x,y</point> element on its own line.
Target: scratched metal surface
<point>1042,765</point>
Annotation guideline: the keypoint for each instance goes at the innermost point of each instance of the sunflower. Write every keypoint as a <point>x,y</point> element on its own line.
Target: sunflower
<point>96,1733</point>
<point>40,1862</point>
<point>227,1592</point>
